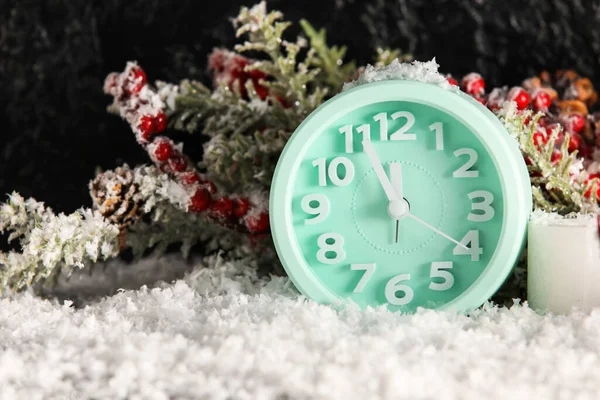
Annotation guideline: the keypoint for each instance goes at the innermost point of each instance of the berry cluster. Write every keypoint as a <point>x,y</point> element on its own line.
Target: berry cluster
<point>230,69</point>
<point>564,98</point>
<point>143,109</point>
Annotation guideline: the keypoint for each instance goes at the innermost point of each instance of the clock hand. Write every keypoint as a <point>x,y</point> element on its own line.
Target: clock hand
<point>376,163</point>
<point>396,181</point>
<point>437,231</point>
<point>396,178</point>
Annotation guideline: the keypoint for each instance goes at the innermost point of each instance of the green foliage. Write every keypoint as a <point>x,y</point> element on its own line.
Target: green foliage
<point>291,78</point>
<point>387,55</point>
<point>245,158</point>
<point>553,186</point>
<point>51,243</point>
<point>333,73</point>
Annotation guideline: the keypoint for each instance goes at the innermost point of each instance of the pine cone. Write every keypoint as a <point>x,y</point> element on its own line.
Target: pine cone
<point>114,195</point>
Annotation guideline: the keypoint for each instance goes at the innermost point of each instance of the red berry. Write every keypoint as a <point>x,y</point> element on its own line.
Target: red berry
<point>160,122</point>
<point>539,139</point>
<point>190,178</point>
<point>111,82</point>
<point>163,150</point>
<point>240,206</point>
<point>261,91</point>
<point>200,200</point>
<point>544,121</point>
<point>588,193</point>
<point>451,80</point>
<point>479,99</point>
<point>495,99</point>
<point>586,150</point>
<point>576,122</point>
<point>146,126</point>
<point>473,84</point>
<point>221,208</point>
<point>138,79</point>
<point>519,96</point>
<point>258,223</point>
<point>256,75</point>
<point>541,100</point>
<point>556,157</point>
<point>178,162</point>
<point>574,142</point>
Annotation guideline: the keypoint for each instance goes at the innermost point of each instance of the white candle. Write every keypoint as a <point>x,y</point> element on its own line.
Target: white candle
<point>563,258</point>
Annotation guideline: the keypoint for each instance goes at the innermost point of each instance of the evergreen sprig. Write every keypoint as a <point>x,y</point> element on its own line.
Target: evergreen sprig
<point>290,78</point>
<point>557,183</point>
<point>51,243</point>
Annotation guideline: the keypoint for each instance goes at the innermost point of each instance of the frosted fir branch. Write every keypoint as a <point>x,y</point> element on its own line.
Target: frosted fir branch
<point>245,159</point>
<point>131,98</point>
<point>247,135</point>
<point>329,60</point>
<point>558,184</point>
<point>169,222</point>
<point>50,242</point>
<point>385,56</point>
<point>156,188</point>
<point>291,79</point>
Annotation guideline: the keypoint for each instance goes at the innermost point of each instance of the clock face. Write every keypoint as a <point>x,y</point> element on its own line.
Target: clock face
<point>395,202</point>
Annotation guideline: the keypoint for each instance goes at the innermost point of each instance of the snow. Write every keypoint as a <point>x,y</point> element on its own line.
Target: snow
<point>540,217</point>
<point>168,93</point>
<point>224,333</point>
<point>416,71</point>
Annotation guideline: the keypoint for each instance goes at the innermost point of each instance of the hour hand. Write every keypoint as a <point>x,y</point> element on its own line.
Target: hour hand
<point>396,179</point>
<point>376,163</point>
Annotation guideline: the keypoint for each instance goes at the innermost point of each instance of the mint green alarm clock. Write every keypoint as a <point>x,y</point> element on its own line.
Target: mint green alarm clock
<point>400,193</point>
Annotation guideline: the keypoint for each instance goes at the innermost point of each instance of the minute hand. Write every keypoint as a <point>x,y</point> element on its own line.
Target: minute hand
<point>437,231</point>
<point>381,175</point>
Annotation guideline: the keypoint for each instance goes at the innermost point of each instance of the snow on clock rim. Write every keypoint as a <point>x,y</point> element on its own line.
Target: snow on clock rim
<point>502,148</point>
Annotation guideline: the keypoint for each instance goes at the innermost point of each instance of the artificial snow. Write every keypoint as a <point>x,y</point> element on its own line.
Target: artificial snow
<point>223,333</point>
<point>540,217</point>
<point>415,71</point>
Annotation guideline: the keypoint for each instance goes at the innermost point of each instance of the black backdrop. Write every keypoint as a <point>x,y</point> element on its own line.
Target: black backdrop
<point>54,55</point>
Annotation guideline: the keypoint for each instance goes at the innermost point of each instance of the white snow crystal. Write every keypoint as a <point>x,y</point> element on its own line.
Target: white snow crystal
<point>540,217</point>
<point>414,71</point>
<point>224,333</point>
<point>168,93</point>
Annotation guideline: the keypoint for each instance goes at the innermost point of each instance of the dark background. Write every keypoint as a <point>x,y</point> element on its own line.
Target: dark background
<point>54,55</point>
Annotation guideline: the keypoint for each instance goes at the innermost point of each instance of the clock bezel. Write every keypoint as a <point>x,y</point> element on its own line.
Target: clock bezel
<point>503,149</point>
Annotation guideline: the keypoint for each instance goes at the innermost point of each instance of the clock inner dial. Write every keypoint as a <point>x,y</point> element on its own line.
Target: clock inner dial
<point>397,203</point>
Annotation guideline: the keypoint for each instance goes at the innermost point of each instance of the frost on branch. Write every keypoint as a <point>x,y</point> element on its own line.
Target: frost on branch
<point>51,242</point>
<point>557,180</point>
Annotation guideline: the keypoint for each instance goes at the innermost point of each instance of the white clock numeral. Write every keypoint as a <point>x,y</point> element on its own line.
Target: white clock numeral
<point>464,172</point>
<point>332,171</point>
<point>383,125</point>
<point>369,270</point>
<point>331,242</point>
<point>321,210</point>
<point>394,286</point>
<point>437,271</point>
<point>401,134</point>
<point>438,128</point>
<point>485,206</point>
<point>347,130</point>
<point>365,130</point>
<point>474,250</point>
